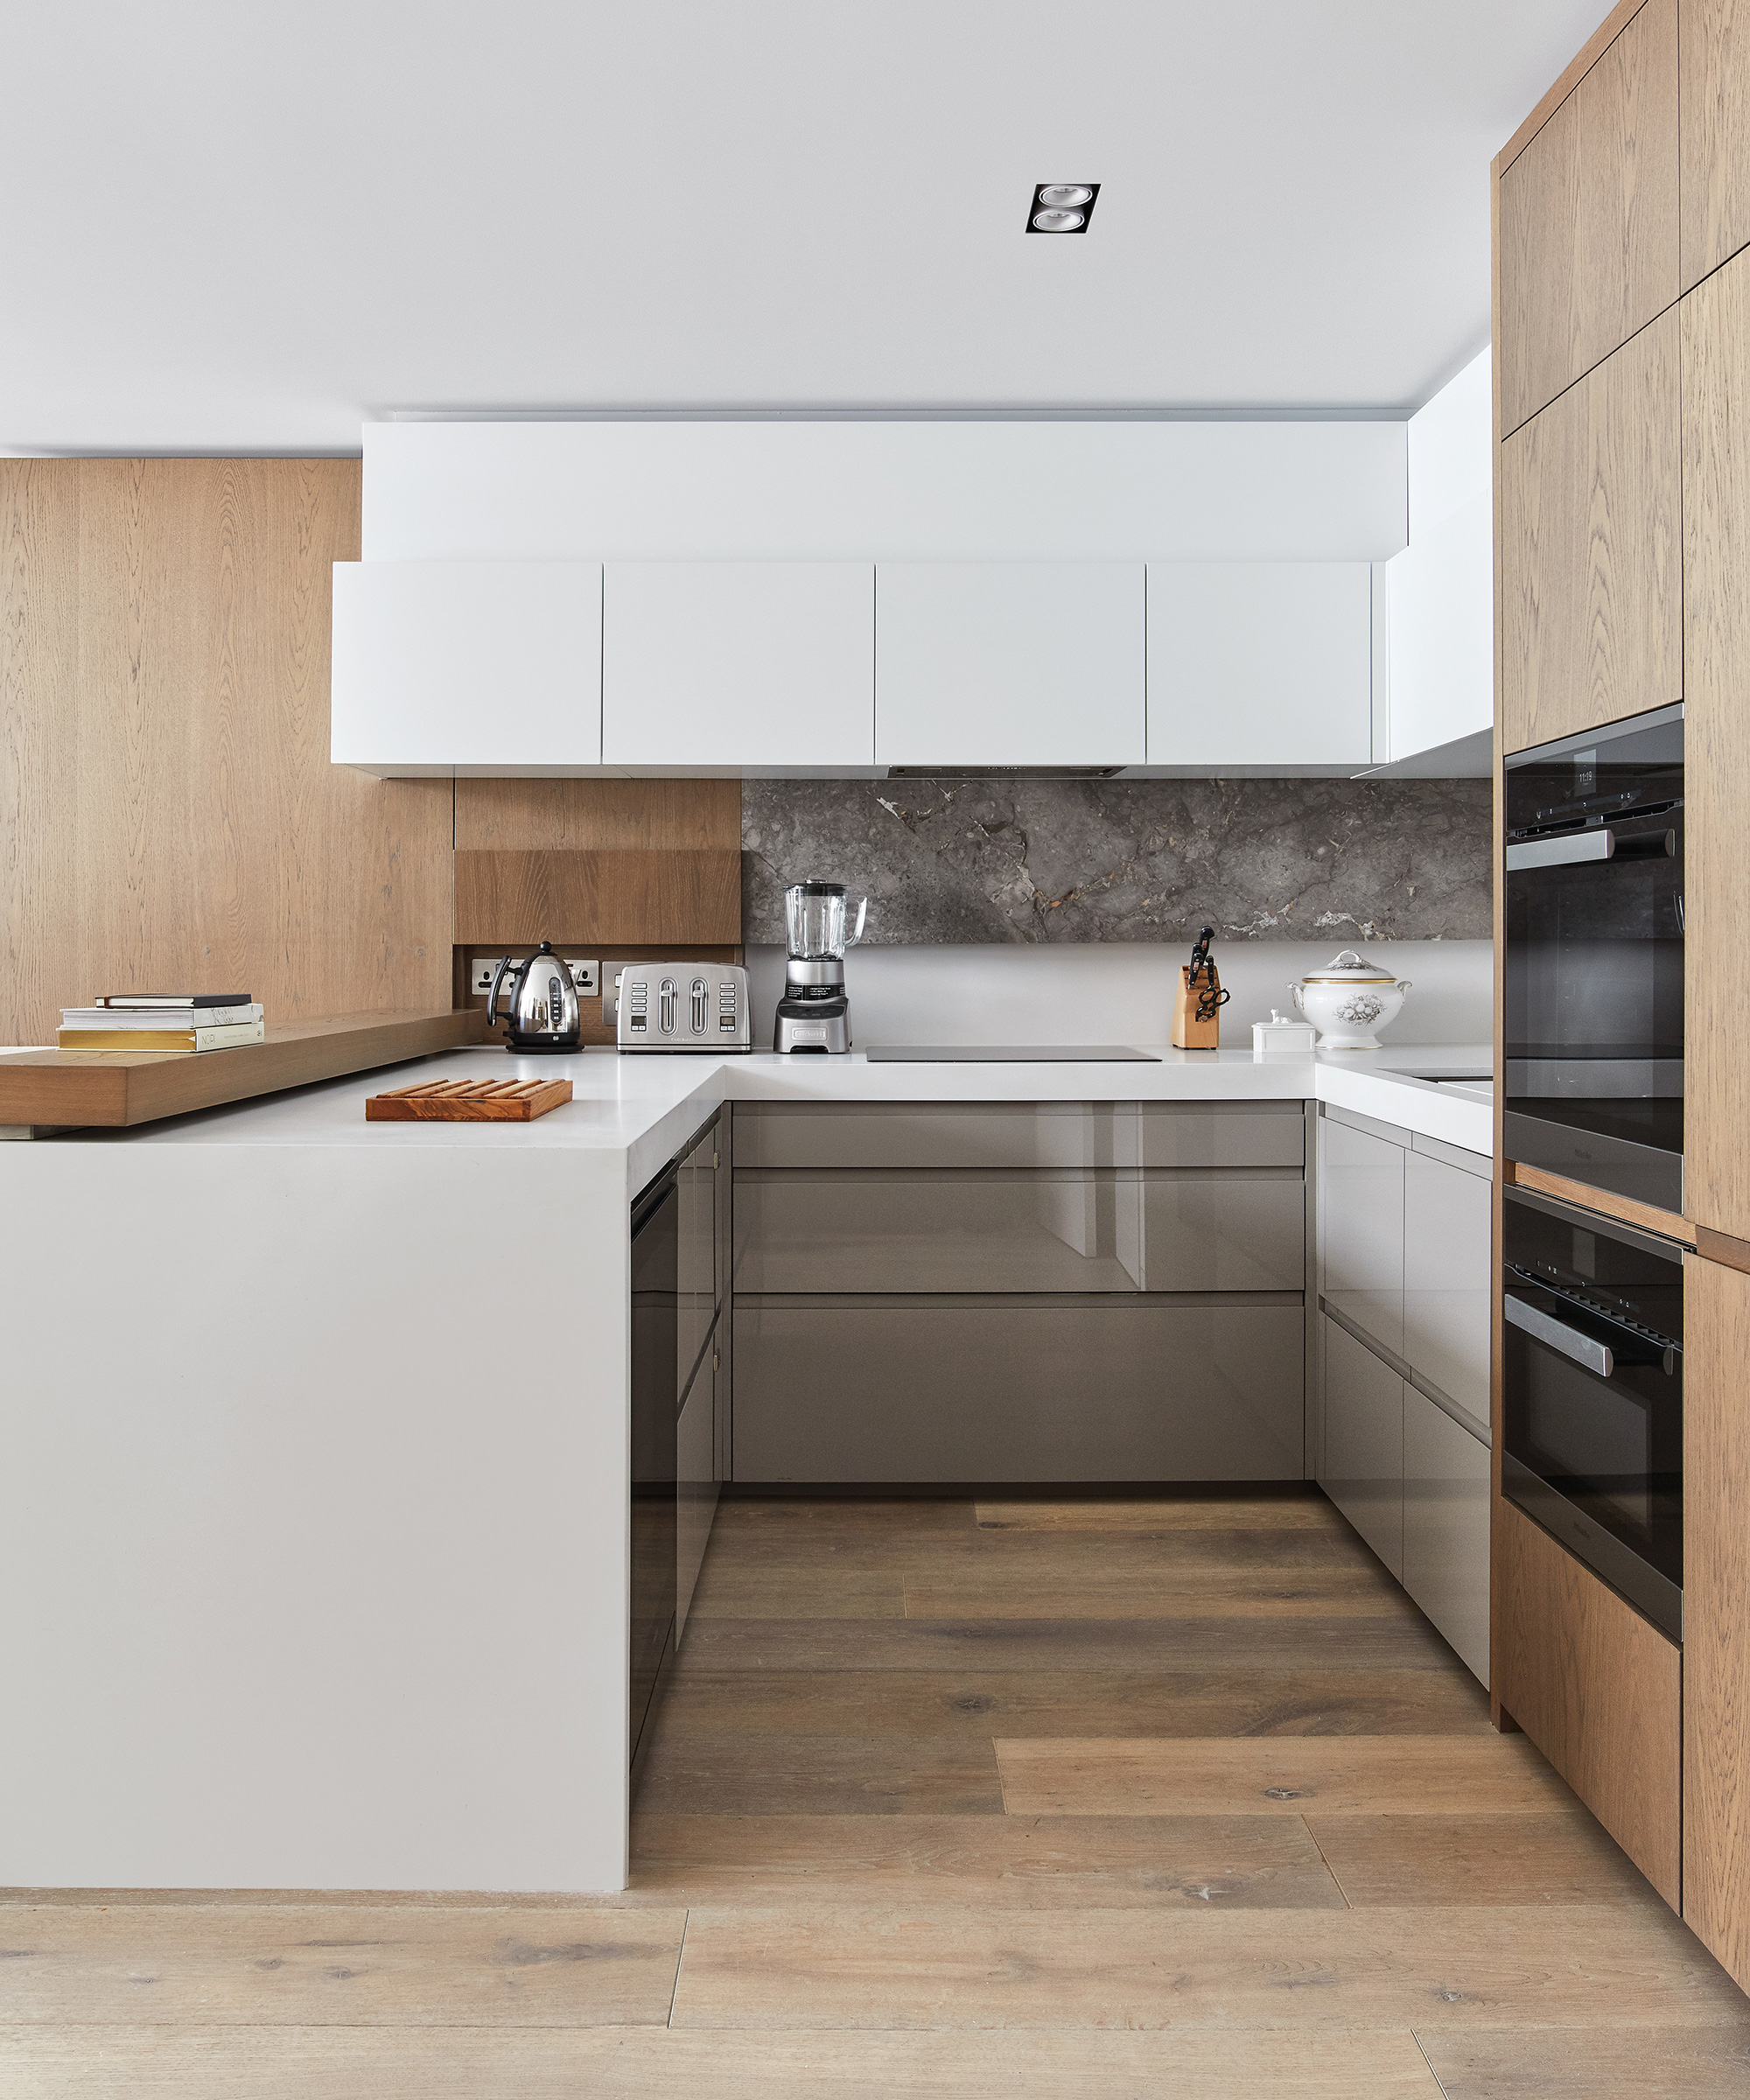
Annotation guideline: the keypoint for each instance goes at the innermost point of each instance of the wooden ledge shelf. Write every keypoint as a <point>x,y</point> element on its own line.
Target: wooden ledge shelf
<point>1604,1200</point>
<point>112,1089</point>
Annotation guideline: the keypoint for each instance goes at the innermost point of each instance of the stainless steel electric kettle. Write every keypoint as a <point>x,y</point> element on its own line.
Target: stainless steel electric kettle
<point>543,1012</point>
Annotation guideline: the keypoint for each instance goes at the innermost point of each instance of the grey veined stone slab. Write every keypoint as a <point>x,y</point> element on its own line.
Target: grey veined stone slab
<point>946,861</point>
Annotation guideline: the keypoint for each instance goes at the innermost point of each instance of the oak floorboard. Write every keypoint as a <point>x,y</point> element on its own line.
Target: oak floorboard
<point>314,1966</point>
<point>1338,1642</point>
<point>1564,1858</point>
<point>728,1592</point>
<point>1054,1557</point>
<point>687,1774</point>
<point>1237,1702</point>
<point>647,2063</point>
<point>1356,1592</point>
<point>1282,1775</point>
<point>743,1519</point>
<point>1235,1862</point>
<point>1440,1970</point>
<point>1155,1517</point>
<point>1588,2063</point>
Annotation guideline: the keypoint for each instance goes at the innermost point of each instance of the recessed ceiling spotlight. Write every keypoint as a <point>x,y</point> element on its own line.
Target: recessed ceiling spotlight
<point>1061,207</point>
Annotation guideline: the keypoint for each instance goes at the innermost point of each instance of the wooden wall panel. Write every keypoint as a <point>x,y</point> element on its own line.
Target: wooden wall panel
<point>1591,601</point>
<point>598,816</point>
<point>1716,330</point>
<point>1596,1687</point>
<point>1713,59</point>
<point>168,812</point>
<point>1539,219</point>
<point>663,900</point>
<point>1717,1612</point>
<point>1625,253</point>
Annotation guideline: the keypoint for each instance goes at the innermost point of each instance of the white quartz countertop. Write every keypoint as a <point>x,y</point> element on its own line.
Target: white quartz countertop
<point>646,1106</point>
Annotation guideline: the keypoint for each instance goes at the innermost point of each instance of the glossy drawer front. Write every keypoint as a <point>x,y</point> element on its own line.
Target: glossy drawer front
<point>1446,1220</point>
<point>1361,1211</point>
<point>696,1486</point>
<point>696,1184</point>
<point>1445,1526</point>
<point>1238,1230</point>
<point>937,1134</point>
<point>1262,1133</point>
<point>876,1230</point>
<point>919,1389</point>
<point>1363,1473</point>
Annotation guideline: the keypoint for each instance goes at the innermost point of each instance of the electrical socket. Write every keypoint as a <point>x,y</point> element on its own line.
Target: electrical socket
<point>586,976</point>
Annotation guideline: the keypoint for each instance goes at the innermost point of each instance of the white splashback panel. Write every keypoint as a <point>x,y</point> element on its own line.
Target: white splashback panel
<point>646,489</point>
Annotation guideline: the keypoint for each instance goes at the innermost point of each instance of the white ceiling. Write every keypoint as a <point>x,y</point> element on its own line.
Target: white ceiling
<point>238,227</point>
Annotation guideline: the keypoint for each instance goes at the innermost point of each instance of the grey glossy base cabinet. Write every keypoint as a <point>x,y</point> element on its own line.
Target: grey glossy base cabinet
<point>1014,1293</point>
<point>701,1427</point>
<point>1404,1240</point>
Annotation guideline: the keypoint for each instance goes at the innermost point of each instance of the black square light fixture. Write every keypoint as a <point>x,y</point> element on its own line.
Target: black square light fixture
<point>1061,207</point>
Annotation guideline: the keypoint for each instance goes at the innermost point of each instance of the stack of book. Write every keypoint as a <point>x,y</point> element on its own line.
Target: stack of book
<point>158,1020</point>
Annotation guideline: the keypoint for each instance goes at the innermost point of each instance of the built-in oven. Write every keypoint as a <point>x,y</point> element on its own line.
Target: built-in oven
<point>1592,1085</point>
<point>1593,1395</point>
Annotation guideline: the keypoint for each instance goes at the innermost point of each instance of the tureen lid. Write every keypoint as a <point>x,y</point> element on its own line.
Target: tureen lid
<point>1350,968</point>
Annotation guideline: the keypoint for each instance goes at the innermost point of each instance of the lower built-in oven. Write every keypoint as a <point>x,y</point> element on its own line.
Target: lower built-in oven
<point>1593,1395</point>
<point>1593,1084</point>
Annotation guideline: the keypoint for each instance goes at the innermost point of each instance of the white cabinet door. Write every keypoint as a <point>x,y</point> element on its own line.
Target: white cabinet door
<point>1260,663</point>
<point>1010,663</point>
<point>1445,1526</point>
<point>1442,592</point>
<point>1363,1473</point>
<point>1361,1228</point>
<point>738,663</point>
<point>466,667</point>
<point>1446,1219</point>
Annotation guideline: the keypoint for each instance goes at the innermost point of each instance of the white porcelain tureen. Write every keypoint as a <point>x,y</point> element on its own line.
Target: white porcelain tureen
<point>1348,999</point>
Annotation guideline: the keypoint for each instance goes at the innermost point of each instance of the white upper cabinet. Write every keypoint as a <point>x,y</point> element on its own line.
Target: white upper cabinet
<point>1260,663</point>
<point>466,667</point>
<point>760,664</point>
<point>1010,663</point>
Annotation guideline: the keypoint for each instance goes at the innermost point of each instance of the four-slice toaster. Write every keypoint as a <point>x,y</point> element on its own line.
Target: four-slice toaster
<point>683,1006</point>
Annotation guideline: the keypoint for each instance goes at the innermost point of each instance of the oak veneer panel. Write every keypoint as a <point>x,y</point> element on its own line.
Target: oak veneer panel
<point>168,816</point>
<point>1591,602</point>
<point>1241,1862</point>
<point>1626,235</point>
<point>1564,83</point>
<point>657,2063</point>
<point>1713,59</point>
<point>598,816</point>
<point>1595,1687</point>
<point>662,898</point>
<point>1277,1775</point>
<point>1439,1970</point>
<point>1501,1861</point>
<point>401,1965</point>
<point>1716,326</point>
<point>1606,2063</point>
<point>1716,1611</point>
<point>1234,1700</point>
<point>1604,1200</point>
<point>1539,228</point>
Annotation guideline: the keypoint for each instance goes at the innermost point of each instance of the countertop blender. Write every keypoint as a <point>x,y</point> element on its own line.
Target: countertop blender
<point>814,1013</point>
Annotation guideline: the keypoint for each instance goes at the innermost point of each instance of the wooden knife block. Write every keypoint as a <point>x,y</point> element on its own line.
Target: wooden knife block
<point>1188,1032</point>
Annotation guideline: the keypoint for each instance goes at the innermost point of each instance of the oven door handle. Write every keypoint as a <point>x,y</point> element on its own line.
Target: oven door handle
<point>1561,852</point>
<point>1595,1355</point>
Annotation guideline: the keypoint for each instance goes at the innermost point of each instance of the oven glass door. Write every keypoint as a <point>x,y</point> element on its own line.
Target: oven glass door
<point>1592,1397</point>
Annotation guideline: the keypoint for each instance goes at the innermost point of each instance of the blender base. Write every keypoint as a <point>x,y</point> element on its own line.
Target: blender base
<point>812,1024</point>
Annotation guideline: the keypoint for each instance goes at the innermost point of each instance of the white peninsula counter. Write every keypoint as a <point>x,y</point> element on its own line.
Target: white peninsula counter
<point>314,1513</point>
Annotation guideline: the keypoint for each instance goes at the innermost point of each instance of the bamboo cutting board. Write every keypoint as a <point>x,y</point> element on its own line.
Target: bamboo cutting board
<point>469,1100</point>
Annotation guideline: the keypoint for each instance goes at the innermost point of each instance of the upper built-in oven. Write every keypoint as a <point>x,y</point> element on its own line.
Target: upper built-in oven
<point>1593,1084</point>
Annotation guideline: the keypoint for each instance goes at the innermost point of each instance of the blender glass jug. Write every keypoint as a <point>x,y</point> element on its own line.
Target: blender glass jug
<point>813,917</point>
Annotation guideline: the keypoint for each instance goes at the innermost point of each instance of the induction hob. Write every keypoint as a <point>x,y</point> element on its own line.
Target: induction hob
<point>1007,1054</point>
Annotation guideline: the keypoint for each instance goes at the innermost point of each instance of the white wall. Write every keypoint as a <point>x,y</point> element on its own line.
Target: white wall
<point>1121,991</point>
<point>649,490</point>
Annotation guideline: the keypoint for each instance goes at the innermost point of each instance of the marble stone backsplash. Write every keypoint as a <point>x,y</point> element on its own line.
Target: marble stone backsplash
<point>949,862</point>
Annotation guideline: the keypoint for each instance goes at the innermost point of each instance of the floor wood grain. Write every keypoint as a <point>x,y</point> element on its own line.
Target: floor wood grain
<point>1124,1821</point>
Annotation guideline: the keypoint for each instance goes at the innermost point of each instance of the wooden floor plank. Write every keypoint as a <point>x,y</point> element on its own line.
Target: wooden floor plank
<point>689,1774</point>
<point>309,1965</point>
<point>1515,1859</point>
<point>1298,1644</point>
<point>1239,1862</point>
<point>1444,1970</point>
<point>1283,1775</point>
<point>641,2063</point>
<point>1588,2063</point>
<point>1352,1592</point>
<point>1077,1702</point>
<point>938,1556</point>
<point>1310,1511</point>
<point>728,1592</point>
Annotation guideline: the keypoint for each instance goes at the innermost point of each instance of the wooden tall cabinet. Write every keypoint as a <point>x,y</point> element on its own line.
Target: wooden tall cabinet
<point>1713,87</point>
